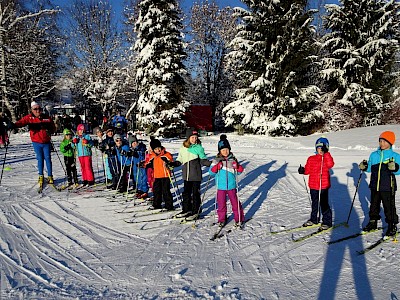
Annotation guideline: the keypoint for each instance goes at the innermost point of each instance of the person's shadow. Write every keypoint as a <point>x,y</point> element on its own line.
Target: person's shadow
<point>251,206</point>
<point>340,203</point>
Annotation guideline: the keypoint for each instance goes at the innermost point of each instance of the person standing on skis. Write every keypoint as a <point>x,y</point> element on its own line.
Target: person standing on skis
<point>317,167</point>
<point>224,168</point>
<point>383,164</point>
<point>41,127</point>
<point>192,157</point>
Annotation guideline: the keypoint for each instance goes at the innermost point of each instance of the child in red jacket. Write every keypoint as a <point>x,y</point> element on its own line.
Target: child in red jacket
<point>317,167</point>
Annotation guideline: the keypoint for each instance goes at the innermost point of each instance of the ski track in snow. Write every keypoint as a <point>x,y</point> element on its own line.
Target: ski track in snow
<point>75,244</point>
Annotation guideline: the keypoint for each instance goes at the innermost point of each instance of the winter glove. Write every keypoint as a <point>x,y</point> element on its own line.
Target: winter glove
<point>141,164</point>
<point>67,147</point>
<point>125,153</point>
<point>217,167</point>
<point>363,165</point>
<point>235,165</point>
<point>324,149</point>
<point>84,142</point>
<point>392,166</point>
<point>75,140</point>
<point>301,170</point>
<point>166,160</point>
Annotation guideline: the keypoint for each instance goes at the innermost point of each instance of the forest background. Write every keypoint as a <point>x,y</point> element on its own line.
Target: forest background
<point>265,67</point>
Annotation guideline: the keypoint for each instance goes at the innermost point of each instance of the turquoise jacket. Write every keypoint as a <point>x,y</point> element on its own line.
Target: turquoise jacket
<point>225,178</point>
<point>382,179</point>
<point>83,150</point>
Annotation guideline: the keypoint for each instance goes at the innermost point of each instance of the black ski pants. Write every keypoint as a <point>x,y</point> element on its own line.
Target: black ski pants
<point>389,207</point>
<point>70,167</point>
<point>191,196</point>
<point>322,202</point>
<point>162,191</point>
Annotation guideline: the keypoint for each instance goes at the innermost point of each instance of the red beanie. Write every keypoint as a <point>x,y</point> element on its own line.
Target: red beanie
<point>389,136</point>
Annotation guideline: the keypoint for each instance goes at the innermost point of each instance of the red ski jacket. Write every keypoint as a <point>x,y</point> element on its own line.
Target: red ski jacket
<point>319,178</point>
<point>40,128</point>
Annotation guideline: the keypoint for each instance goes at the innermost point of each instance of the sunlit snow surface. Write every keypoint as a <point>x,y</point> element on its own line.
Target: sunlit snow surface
<point>62,245</point>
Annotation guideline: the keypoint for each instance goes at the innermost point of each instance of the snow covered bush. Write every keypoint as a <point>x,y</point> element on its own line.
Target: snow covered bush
<point>160,70</point>
<point>273,53</point>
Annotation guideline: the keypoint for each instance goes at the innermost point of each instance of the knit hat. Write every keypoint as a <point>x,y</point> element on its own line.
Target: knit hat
<point>191,132</point>
<point>131,139</point>
<point>322,141</point>
<point>34,103</point>
<point>117,137</point>
<point>67,131</point>
<point>80,127</point>
<point>388,136</point>
<point>223,143</point>
<point>97,129</point>
<point>154,143</point>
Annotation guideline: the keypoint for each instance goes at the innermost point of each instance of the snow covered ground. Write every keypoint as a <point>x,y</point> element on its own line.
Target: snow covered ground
<point>65,245</point>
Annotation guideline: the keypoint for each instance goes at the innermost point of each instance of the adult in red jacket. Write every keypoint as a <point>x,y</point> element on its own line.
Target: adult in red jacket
<point>41,127</point>
<point>317,167</point>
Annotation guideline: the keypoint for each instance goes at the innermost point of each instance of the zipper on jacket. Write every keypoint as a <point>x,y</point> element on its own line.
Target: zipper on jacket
<point>379,172</point>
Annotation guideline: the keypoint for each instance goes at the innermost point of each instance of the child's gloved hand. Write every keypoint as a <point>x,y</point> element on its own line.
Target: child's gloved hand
<point>84,141</point>
<point>75,140</point>
<point>363,165</point>
<point>217,167</point>
<point>393,166</point>
<point>324,149</point>
<point>67,147</point>
<point>235,165</point>
<point>301,170</point>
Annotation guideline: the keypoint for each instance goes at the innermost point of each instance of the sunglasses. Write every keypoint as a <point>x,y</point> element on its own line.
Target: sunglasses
<point>118,140</point>
<point>38,108</point>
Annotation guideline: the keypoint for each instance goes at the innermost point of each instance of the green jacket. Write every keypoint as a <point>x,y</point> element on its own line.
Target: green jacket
<point>192,159</point>
<point>66,148</point>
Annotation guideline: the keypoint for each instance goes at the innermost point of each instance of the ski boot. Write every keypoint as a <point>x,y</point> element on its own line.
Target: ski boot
<point>50,180</point>
<point>392,230</point>
<point>40,182</point>
<point>372,225</point>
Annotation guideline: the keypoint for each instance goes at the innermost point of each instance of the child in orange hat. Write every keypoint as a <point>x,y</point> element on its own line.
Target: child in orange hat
<point>383,164</point>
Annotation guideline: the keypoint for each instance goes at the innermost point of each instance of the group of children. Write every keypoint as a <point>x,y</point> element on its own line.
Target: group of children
<point>127,158</point>
<point>121,159</point>
<point>383,164</point>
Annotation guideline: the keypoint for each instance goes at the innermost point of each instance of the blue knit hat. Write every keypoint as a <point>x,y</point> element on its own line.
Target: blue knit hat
<point>322,141</point>
<point>223,143</point>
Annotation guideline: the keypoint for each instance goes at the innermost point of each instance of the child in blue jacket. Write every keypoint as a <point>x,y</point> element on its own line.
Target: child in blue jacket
<point>124,160</point>
<point>139,173</point>
<point>224,168</point>
<point>383,164</point>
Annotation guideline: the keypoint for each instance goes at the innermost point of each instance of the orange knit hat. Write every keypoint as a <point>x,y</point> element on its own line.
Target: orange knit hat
<point>389,136</point>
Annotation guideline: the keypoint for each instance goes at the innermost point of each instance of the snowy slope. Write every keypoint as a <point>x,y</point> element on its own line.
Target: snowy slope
<point>64,245</point>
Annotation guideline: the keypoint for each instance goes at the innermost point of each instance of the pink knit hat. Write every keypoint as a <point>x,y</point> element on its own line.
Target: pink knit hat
<point>80,127</point>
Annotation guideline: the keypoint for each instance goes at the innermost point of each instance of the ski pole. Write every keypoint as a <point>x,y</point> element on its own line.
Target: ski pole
<point>354,197</point>
<point>175,189</point>
<point>176,182</point>
<point>392,203</point>
<point>320,189</point>
<point>237,196</point>
<point>4,159</point>
<point>305,185</point>
<point>59,159</point>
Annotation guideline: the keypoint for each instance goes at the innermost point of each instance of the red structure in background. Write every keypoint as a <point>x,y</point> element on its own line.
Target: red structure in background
<point>199,117</point>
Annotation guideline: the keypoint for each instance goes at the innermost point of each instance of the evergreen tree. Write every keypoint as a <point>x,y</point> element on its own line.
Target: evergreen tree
<point>358,55</point>
<point>160,70</point>
<point>273,51</point>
